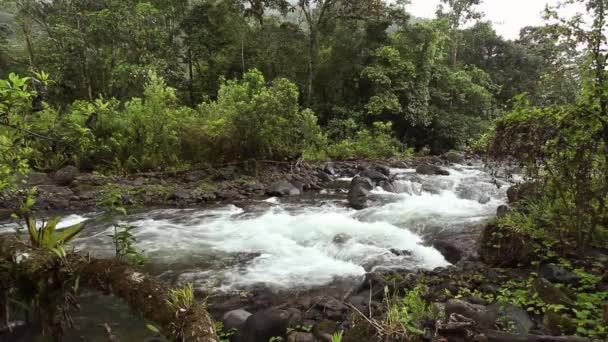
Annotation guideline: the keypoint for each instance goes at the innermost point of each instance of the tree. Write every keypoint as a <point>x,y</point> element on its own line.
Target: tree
<point>318,13</point>
<point>459,13</point>
<point>257,8</point>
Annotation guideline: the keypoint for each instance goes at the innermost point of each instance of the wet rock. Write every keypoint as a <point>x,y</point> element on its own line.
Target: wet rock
<point>383,169</point>
<point>91,179</point>
<point>329,169</point>
<point>521,192</point>
<point>502,211</point>
<point>323,330</point>
<point>550,294</point>
<point>283,188</point>
<point>428,169</point>
<point>323,176</point>
<point>341,239</point>
<point>400,252</point>
<point>387,186</point>
<point>558,274</point>
<point>331,307</point>
<point>179,195</point>
<point>557,324</point>
<point>359,190</point>
<point>66,175</point>
<point>235,319</point>
<point>38,178</point>
<point>139,181</point>
<point>299,336</point>
<point>512,317</point>
<point>503,246</point>
<point>450,252</point>
<point>375,175</point>
<point>479,313</point>
<point>454,157</point>
<point>264,325</point>
<point>483,199</point>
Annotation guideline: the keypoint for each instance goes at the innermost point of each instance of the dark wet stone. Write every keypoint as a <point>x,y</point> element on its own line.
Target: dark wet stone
<point>558,274</point>
<point>264,325</point>
<point>283,188</point>
<point>66,175</point>
<point>431,170</point>
<point>359,190</point>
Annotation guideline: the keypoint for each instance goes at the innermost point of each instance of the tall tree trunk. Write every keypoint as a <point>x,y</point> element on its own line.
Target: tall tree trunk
<point>190,77</point>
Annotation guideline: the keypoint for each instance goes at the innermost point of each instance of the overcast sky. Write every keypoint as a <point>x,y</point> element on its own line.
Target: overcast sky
<point>508,16</point>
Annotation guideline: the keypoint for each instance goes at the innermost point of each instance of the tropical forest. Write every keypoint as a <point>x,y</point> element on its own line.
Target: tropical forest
<point>304,170</point>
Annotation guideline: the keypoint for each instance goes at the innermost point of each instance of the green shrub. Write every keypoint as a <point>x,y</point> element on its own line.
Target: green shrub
<point>377,142</point>
<point>251,120</point>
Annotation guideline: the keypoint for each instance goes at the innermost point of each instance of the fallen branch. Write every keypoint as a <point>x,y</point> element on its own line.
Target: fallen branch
<point>143,293</point>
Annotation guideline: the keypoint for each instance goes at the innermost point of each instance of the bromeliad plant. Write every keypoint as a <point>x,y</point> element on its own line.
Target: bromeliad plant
<point>46,235</point>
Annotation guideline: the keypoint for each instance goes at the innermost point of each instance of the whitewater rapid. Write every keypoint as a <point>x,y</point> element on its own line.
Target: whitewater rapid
<point>290,243</point>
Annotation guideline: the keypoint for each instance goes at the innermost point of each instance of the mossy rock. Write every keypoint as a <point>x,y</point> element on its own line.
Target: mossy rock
<point>360,332</point>
<point>504,247</point>
<point>557,324</point>
<point>550,294</point>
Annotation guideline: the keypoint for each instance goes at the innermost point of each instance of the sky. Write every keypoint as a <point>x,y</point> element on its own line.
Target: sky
<point>508,16</point>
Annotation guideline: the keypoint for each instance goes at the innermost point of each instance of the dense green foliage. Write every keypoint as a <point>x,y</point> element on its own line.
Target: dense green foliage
<point>151,85</point>
<point>564,147</point>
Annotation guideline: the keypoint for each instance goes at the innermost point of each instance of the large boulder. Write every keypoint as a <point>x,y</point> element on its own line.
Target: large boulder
<point>550,294</point>
<point>454,157</point>
<point>358,192</point>
<point>38,178</point>
<point>431,170</point>
<point>522,191</point>
<point>235,319</point>
<point>504,247</point>
<point>554,273</point>
<point>512,317</point>
<point>283,188</point>
<point>484,317</point>
<point>373,174</point>
<point>65,176</point>
<point>264,325</point>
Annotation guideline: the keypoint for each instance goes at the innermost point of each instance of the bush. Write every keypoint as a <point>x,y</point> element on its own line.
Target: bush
<point>251,120</point>
<point>377,142</point>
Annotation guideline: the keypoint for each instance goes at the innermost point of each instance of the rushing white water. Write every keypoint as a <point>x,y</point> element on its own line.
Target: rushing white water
<point>302,241</point>
<point>289,243</point>
<point>65,222</point>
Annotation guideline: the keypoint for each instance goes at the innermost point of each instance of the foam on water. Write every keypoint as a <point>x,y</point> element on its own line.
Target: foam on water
<point>65,222</point>
<point>295,245</point>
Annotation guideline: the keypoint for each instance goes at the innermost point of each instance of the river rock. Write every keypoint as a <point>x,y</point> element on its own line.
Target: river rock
<point>454,157</point>
<point>283,188</point>
<point>323,176</point>
<point>385,170</point>
<point>329,169</point>
<point>450,252</point>
<point>373,174</point>
<point>264,325</point>
<point>387,186</point>
<point>512,317</point>
<point>502,211</point>
<point>550,294</point>
<point>235,319</point>
<point>484,317</point>
<point>38,178</point>
<point>179,195</point>
<point>521,192</point>
<point>359,190</point>
<point>430,170</point>
<point>299,336</point>
<point>65,176</point>
<point>341,239</point>
<point>554,273</point>
<point>557,324</point>
<point>504,247</point>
